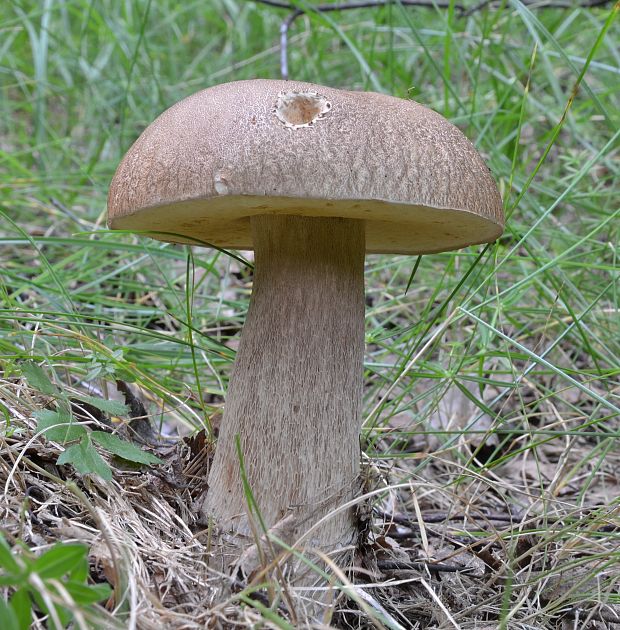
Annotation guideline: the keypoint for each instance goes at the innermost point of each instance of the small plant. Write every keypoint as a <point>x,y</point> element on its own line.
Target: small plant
<point>52,584</point>
<point>60,426</point>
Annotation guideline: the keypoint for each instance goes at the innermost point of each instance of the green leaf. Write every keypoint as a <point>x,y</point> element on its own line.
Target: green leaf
<point>124,374</point>
<point>68,432</point>
<point>85,595</point>
<point>8,617</point>
<point>121,448</point>
<point>37,378</point>
<point>7,561</point>
<point>59,560</point>
<point>85,459</point>
<point>11,580</point>
<point>80,572</point>
<point>111,407</point>
<point>22,606</point>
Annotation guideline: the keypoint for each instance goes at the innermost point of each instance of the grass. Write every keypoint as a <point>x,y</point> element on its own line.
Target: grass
<point>492,373</point>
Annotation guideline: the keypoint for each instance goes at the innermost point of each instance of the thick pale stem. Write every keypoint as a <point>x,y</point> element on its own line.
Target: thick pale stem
<point>295,393</point>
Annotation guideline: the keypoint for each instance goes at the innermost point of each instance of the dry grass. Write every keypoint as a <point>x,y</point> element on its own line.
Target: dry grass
<point>455,546</point>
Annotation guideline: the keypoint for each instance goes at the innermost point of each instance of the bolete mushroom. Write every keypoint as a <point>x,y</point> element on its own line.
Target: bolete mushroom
<point>310,178</point>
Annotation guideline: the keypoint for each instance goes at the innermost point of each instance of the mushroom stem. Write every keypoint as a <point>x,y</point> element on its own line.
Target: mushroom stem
<point>295,392</point>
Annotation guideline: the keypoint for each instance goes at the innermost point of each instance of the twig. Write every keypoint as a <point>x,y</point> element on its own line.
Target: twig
<point>439,567</point>
<point>408,521</point>
<point>460,10</point>
<point>325,8</point>
<point>540,4</point>
<point>411,523</point>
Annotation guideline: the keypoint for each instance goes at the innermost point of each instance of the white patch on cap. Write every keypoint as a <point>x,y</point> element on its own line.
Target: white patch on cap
<point>300,109</point>
<point>220,183</point>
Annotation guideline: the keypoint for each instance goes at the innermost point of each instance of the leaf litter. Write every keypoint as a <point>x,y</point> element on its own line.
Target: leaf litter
<point>458,543</point>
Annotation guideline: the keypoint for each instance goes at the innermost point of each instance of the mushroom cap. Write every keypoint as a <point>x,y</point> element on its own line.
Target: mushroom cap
<point>207,164</point>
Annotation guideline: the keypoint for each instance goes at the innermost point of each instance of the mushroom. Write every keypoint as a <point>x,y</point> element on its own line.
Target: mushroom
<point>310,178</point>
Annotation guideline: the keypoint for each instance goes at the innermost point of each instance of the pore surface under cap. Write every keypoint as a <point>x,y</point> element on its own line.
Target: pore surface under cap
<point>280,147</point>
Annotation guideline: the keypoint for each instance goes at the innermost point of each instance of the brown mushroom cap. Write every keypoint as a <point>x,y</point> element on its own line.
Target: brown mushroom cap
<point>281,147</point>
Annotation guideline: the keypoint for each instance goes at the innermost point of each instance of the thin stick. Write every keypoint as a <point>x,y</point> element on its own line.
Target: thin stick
<point>460,10</point>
